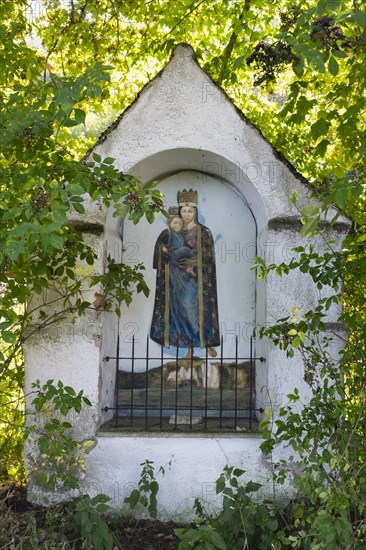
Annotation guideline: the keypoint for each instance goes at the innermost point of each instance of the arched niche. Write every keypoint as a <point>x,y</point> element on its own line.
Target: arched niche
<point>242,178</point>
<point>229,205</point>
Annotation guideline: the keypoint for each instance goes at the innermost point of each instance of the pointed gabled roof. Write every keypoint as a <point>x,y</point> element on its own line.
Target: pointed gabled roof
<point>183,120</point>
<point>184,50</point>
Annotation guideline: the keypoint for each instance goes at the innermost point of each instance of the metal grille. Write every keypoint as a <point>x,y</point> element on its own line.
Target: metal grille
<point>185,394</point>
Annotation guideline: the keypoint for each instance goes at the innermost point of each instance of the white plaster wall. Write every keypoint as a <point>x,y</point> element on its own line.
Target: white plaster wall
<point>192,465</point>
<point>295,289</point>
<point>69,349</point>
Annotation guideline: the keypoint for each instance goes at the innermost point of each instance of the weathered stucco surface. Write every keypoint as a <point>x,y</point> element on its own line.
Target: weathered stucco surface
<point>182,121</point>
<point>191,464</point>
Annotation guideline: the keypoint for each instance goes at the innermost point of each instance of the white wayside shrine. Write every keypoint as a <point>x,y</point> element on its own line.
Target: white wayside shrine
<point>184,132</point>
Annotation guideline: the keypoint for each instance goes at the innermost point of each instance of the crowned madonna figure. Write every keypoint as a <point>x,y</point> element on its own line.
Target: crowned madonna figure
<point>185,309</point>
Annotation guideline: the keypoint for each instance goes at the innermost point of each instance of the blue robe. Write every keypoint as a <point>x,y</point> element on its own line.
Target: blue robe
<point>185,310</point>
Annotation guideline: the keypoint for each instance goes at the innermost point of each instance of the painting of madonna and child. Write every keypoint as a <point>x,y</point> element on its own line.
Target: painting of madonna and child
<point>196,325</point>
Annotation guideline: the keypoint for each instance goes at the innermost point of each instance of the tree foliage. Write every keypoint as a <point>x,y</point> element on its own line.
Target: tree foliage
<point>312,54</point>
<point>298,71</point>
<point>44,187</point>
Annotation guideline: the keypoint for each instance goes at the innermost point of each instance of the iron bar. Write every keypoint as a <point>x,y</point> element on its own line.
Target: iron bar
<point>147,382</point>
<point>236,382</point>
<point>176,387</point>
<point>117,388</point>
<point>161,387</point>
<point>191,391</point>
<point>206,383</point>
<point>251,383</point>
<point>110,358</point>
<point>221,377</point>
<point>132,375</point>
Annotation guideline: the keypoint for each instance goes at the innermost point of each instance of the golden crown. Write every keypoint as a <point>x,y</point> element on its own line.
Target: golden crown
<point>173,211</point>
<point>187,198</point>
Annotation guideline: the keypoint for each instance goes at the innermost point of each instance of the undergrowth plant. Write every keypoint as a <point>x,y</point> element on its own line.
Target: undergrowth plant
<point>61,456</point>
<point>327,432</point>
<point>145,496</point>
<point>244,522</point>
<point>57,465</point>
<point>88,524</point>
<point>80,523</point>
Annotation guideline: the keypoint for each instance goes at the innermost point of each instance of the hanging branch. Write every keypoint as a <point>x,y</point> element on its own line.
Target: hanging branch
<point>193,8</point>
<point>231,44</point>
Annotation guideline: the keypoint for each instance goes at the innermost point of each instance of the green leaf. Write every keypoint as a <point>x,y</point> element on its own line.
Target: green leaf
<point>322,147</point>
<point>79,115</point>
<point>69,123</point>
<point>75,189</point>
<point>83,517</point>
<point>299,67</point>
<point>253,487</point>
<point>76,198</point>
<point>356,16</point>
<point>66,425</point>
<point>150,216</point>
<point>238,62</point>
<point>294,196</point>
<point>333,66</point>
<point>340,53</point>
<point>318,63</point>
<point>133,498</point>
<point>319,128</point>
<point>9,337</point>
<point>324,5</point>
<point>310,210</point>
<point>96,157</point>
<point>296,343</point>
<point>218,541</point>
<point>55,241</point>
<point>342,196</point>
<point>78,207</point>
<point>310,226</point>
<point>220,485</point>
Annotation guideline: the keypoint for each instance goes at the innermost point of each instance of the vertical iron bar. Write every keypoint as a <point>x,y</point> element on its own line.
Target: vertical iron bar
<point>251,383</point>
<point>206,380</point>
<point>176,387</point>
<point>221,377</point>
<point>161,388</point>
<point>117,380</point>
<point>236,381</point>
<point>191,392</point>
<point>132,376</point>
<point>146,381</point>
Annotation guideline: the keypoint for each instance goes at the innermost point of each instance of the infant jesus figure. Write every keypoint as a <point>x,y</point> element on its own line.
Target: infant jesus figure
<point>179,254</point>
